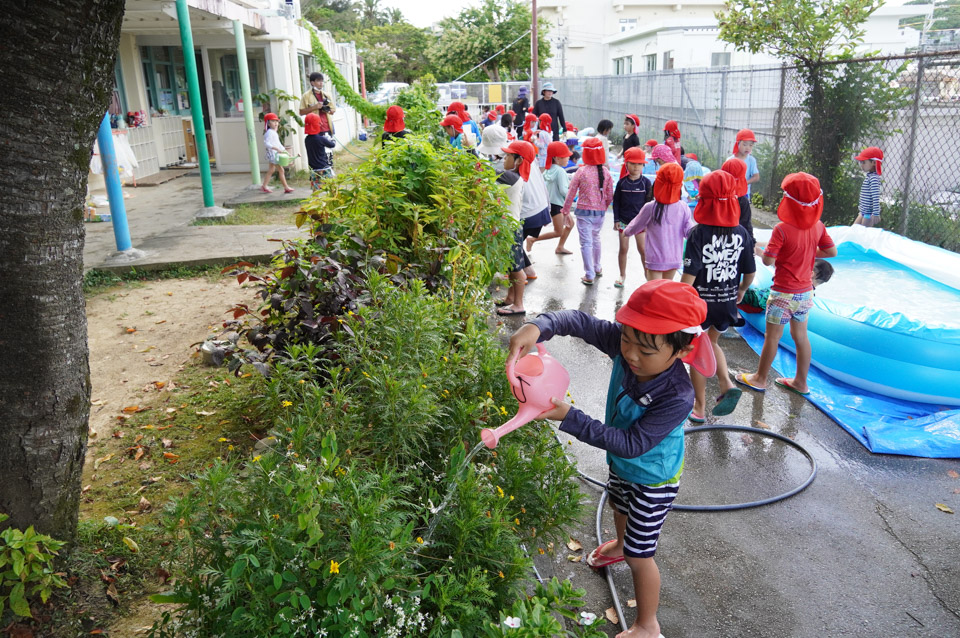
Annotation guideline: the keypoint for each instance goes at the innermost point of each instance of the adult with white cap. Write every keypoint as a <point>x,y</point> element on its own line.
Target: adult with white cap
<point>551,106</point>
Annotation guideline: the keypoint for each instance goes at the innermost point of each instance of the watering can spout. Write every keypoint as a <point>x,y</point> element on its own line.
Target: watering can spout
<point>526,414</point>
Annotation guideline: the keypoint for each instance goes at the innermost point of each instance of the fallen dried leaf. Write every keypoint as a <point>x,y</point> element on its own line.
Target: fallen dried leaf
<point>167,443</point>
<point>163,574</point>
<point>953,474</point>
<point>171,458</point>
<point>171,410</point>
<point>131,330</point>
<point>632,603</point>
<point>132,544</point>
<point>762,425</point>
<point>103,459</point>
<point>98,402</point>
<point>574,558</point>
<point>131,409</point>
<point>118,434</point>
<point>161,321</point>
<point>574,545</point>
<point>611,615</point>
<point>944,508</point>
<point>85,489</point>
<point>205,413</point>
<point>746,438</point>
<point>159,384</point>
<point>144,505</point>
<point>112,592</point>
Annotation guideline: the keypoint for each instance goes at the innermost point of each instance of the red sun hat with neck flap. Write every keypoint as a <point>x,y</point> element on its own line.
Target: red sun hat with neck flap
<point>546,121</point>
<point>557,149</point>
<point>802,202</point>
<point>738,169</point>
<point>665,306</point>
<point>743,135</point>
<point>459,109</point>
<point>669,183</point>
<point>311,124</point>
<point>635,155</point>
<point>593,154</point>
<point>717,205</point>
<point>499,108</point>
<point>633,118</point>
<point>651,144</point>
<point>673,129</point>
<point>527,152</point>
<point>454,121</point>
<point>872,153</point>
<point>394,122</point>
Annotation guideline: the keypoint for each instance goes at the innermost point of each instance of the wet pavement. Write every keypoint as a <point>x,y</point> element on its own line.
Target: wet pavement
<point>862,552</point>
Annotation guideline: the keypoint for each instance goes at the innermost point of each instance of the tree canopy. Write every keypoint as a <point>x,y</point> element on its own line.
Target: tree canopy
<point>807,32</point>
<point>480,32</point>
<point>946,16</point>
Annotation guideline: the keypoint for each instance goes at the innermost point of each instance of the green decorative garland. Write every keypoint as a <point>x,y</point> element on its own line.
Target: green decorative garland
<point>367,109</point>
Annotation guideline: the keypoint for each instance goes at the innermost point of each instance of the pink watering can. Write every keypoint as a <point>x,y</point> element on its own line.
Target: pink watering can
<point>534,379</point>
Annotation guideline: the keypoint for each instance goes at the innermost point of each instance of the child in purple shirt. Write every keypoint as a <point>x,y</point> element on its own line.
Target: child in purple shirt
<point>666,220</point>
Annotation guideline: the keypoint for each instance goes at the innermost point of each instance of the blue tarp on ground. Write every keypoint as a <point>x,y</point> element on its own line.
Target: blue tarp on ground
<point>882,424</point>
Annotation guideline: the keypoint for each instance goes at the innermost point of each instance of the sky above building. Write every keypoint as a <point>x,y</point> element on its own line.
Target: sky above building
<point>423,14</point>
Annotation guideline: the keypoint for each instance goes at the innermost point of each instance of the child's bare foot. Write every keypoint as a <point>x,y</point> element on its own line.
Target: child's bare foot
<point>562,251</point>
<point>529,243</point>
<point>751,381</point>
<point>637,631</point>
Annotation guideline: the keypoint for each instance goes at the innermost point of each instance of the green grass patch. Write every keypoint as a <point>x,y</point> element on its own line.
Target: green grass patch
<point>97,281</point>
<point>281,212</point>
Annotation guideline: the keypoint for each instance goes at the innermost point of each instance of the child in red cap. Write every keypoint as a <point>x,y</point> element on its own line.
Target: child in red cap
<point>632,193</point>
<point>719,263</point>
<point>631,123</point>
<point>870,163</point>
<point>557,180</point>
<point>671,137</point>
<point>592,187</point>
<point>273,146</point>
<point>648,401</point>
<point>743,150</point>
<point>543,138</point>
<point>794,245</point>
<point>665,221</point>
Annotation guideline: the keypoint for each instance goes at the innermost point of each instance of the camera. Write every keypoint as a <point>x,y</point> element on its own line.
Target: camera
<point>325,106</point>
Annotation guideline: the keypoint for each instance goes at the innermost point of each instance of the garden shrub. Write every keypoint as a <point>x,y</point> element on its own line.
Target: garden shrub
<point>421,115</point>
<point>26,568</point>
<point>327,529</point>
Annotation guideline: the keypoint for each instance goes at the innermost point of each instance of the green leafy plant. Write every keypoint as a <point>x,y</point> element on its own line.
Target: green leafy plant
<point>540,615</point>
<point>274,98</point>
<point>360,511</point>
<point>26,568</point>
<point>421,114</point>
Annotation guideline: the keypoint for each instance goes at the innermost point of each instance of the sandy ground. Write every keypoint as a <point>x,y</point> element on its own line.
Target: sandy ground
<point>141,334</point>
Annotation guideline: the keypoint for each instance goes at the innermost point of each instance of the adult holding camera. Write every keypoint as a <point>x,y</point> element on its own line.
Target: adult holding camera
<point>316,101</point>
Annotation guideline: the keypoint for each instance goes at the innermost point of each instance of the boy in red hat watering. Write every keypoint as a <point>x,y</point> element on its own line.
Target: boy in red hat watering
<point>649,398</point>
<point>870,163</point>
<point>796,242</point>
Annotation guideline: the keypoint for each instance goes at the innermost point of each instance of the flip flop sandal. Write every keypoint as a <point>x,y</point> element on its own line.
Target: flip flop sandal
<point>510,313</point>
<point>618,283</point>
<point>501,303</point>
<point>586,282</point>
<point>693,418</point>
<point>742,380</point>
<point>598,273</point>
<point>597,560</point>
<point>782,382</point>
<point>531,277</point>
<point>727,402</point>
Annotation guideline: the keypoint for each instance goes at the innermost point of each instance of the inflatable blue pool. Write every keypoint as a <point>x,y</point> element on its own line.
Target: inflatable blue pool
<point>889,320</point>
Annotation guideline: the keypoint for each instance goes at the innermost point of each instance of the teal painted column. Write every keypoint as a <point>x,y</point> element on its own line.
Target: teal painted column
<point>196,107</point>
<point>247,102</point>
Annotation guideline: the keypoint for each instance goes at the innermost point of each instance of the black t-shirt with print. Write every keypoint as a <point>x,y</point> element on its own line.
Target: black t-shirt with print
<point>717,257</point>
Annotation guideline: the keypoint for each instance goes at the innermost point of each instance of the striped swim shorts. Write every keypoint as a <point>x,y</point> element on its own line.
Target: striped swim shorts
<point>645,508</point>
<point>782,307</point>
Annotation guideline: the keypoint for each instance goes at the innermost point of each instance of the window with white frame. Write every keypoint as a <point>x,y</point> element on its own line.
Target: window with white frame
<point>667,60</point>
<point>650,62</point>
<point>623,66</point>
<point>720,59</point>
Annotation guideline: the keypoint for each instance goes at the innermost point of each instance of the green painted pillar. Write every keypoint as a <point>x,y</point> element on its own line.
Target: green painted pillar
<point>247,102</point>
<point>196,106</point>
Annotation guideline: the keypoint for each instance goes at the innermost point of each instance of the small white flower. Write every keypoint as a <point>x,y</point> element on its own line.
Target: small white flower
<point>586,618</point>
<point>300,466</point>
<point>513,622</point>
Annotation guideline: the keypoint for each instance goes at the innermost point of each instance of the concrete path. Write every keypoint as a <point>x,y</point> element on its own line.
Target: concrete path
<point>159,218</point>
<point>862,552</point>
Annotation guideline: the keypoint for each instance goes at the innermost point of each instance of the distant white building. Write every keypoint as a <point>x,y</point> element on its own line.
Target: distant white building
<point>617,37</point>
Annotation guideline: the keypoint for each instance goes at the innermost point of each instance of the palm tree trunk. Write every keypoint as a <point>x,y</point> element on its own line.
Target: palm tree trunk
<point>56,67</point>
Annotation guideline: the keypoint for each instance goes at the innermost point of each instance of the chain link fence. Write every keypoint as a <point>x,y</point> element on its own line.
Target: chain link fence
<point>909,106</point>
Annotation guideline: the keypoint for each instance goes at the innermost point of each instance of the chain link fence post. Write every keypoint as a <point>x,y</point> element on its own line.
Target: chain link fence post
<point>914,119</point>
<point>722,118</point>
<point>777,136</point>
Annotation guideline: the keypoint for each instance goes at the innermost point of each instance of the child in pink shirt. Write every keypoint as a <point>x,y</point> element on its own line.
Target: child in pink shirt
<point>592,186</point>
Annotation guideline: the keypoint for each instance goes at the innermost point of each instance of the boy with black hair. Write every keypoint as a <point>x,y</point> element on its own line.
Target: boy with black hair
<point>648,401</point>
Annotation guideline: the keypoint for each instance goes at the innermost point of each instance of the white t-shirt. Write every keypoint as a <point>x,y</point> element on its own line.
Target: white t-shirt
<point>535,198</point>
